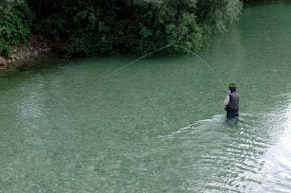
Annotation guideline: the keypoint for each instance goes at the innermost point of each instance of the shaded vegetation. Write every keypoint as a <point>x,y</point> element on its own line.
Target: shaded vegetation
<point>102,27</point>
<point>91,27</point>
<point>15,24</point>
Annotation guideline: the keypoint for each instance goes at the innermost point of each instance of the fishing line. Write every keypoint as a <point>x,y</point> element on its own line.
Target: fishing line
<point>167,46</point>
<point>199,57</point>
<point>137,60</point>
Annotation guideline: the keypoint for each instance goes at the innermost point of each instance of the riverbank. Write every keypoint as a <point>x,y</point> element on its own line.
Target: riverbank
<point>36,48</point>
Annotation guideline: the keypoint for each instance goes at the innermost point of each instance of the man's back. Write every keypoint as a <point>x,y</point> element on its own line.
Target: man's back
<point>233,101</point>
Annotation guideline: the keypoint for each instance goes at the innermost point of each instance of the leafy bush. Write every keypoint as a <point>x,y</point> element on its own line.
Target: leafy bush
<point>16,18</point>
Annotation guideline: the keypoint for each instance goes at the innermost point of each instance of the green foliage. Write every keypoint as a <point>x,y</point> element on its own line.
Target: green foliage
<point>15,21</point>
<point>114,26</point>
<point>91,27</point>
<point>168,22</point>
<point>187,23</point>
<point>217,14</point>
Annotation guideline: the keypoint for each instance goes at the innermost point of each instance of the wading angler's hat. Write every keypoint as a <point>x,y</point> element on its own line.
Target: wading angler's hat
<point>232,85</point>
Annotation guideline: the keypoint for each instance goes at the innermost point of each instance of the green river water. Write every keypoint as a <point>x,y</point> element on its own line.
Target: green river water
<point>157,125</point>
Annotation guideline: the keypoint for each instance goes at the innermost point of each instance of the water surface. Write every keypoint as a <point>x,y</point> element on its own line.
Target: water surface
<point>157,125</point>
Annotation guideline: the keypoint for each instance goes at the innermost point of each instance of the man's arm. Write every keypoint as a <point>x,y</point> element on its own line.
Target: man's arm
<point>226,100</point>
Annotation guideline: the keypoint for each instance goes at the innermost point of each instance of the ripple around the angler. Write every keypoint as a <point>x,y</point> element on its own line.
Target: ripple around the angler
<point>237,165</point>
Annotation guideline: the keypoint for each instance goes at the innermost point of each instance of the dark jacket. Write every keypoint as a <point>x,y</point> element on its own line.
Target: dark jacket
<point>233,104</point>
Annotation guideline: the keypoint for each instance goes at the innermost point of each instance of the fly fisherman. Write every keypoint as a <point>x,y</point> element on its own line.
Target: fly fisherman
<point>231,102</point>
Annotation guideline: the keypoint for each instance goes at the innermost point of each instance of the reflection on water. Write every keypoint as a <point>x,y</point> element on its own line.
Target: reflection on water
<point>275,174</point>
<point>158,125</point>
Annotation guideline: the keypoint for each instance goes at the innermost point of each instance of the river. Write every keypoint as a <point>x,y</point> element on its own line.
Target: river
<point>157,125</point>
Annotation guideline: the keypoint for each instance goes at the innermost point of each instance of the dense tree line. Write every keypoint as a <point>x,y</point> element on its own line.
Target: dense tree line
<point>116,26</point>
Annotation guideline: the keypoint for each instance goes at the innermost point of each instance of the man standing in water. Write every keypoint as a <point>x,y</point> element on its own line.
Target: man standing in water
<point>231,102</point>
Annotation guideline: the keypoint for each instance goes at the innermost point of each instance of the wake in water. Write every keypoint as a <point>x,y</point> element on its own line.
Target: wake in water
<point>216,122</point>
<point>228,157</point>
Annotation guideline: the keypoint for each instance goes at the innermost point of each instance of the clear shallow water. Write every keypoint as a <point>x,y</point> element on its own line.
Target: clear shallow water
<point>157,125</point>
